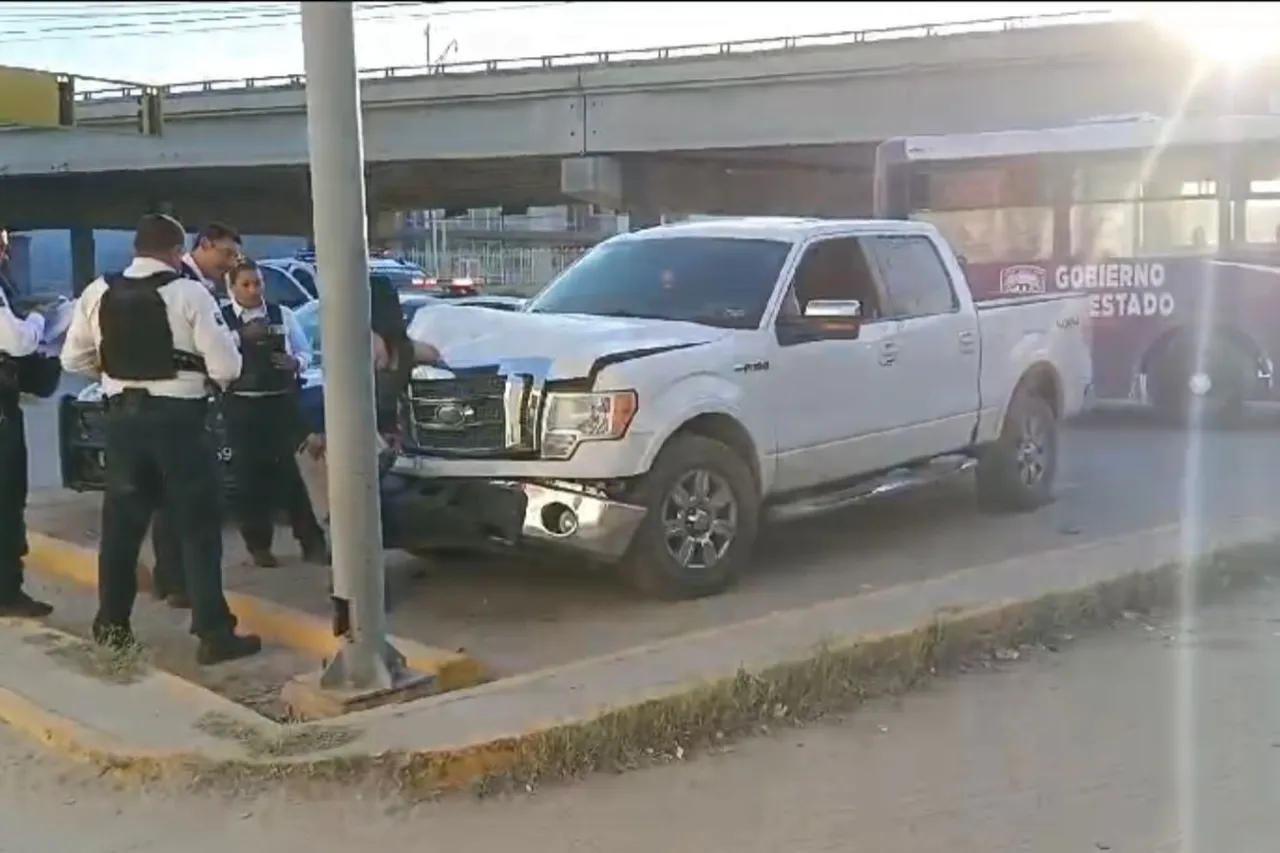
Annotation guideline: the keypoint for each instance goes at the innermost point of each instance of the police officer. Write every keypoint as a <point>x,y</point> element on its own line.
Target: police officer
<point>264,420</point>
<point>18,338</point>
<point>157,338</point>
<point>214,251</point>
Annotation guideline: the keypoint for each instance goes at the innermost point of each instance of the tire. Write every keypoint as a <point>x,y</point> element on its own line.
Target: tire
<point>653,563</point>
<point>1017,472</point>
<point>1182,395</point>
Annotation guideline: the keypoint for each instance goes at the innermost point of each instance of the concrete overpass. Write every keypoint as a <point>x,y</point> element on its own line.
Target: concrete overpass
<point>781,126</point>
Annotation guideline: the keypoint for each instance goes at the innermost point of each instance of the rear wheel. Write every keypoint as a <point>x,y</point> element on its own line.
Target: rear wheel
<point>1186,389</point>
<point>1016,473</point>
<point>703,511</point>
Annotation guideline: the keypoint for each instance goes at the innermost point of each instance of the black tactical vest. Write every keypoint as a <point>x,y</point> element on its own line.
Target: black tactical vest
<point>137,341</point>
<point>259,375</point>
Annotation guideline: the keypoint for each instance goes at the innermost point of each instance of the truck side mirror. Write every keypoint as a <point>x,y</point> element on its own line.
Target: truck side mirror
<point>834,318</point>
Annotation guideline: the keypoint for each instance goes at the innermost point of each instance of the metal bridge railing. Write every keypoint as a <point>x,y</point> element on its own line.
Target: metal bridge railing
<point>629,57</point>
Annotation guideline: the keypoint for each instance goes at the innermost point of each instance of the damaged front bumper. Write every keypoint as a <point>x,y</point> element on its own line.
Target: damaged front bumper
<point>427,513</point>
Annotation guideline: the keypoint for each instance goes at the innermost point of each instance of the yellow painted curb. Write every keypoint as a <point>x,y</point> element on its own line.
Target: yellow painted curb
<point>276,624</point>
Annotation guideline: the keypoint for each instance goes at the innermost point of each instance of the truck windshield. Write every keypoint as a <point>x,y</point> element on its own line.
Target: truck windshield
<point>716,281</point>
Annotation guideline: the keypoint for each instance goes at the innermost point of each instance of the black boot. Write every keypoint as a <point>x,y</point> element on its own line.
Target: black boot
<point>23,606</point>
<point>221,648</point>
<point>118,638</point>
<point>263,558</point>
<point>315,551</point>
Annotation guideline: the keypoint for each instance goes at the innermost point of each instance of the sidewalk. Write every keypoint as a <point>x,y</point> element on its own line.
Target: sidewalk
<point>1056,752</point>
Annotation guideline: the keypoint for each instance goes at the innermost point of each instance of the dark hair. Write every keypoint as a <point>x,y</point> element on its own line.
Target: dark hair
<point>215,231</point>
<point>158,234</point>
<point>385,314</point>
<point>243,265</point>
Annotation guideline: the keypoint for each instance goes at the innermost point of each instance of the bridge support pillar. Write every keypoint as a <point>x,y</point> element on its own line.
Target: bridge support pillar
<point>595,179</point>
<point>639,218</point>
<point>83,259</point>
<point>383,223</point>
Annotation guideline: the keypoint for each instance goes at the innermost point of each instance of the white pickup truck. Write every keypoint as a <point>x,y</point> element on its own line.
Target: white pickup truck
<point>679,386</point>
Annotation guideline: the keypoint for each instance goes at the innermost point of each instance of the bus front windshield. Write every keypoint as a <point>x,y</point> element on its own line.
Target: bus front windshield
<point>715,281</point>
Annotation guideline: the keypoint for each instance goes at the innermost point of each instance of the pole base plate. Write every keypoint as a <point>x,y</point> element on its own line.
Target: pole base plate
<point>334,690</point>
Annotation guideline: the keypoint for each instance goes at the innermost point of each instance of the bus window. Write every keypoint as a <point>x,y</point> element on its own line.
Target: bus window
<point>1178,225</point>
<point>996,234</point>
<point>1103,230</point>
<point>1261,203</point>
<point>1134,207</point>
<point>1179,207</point>
<point>1262,220</point>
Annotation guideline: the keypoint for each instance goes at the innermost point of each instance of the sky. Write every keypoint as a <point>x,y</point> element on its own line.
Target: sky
<point>162,42</point>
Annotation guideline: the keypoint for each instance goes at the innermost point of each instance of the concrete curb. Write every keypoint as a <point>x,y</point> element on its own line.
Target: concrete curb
<point>276,624</point>
<point>642,704</point>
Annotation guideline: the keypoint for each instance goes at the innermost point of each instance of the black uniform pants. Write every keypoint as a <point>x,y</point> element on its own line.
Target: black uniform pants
<point>159,453</point>
<point>167,577</point>
<point>263,433</point>
<point>13,495</point>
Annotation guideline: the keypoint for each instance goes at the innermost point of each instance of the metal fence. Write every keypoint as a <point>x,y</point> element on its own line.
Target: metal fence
<point>519,270</point>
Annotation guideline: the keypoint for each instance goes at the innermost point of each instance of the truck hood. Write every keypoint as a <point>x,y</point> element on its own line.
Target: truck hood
<point>569,345</point>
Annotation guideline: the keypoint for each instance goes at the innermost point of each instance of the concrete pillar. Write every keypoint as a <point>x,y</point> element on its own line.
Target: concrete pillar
<point>595,179</point>
<point>383,224</point>
<point>639,218</point>
<point>84,261</point>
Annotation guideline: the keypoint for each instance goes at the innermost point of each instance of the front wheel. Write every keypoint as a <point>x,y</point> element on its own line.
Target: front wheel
<point>1017,472</point>
<point>703,510</point>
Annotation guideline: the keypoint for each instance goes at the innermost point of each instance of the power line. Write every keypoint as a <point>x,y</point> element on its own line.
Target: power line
<point>128,27</point>
<point>275,18</point>
<point>41,14</point>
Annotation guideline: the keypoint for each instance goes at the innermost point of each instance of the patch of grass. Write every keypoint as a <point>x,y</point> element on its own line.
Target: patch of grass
<point>126,665</point>
<point>836,677</point>
<point>283,742</point>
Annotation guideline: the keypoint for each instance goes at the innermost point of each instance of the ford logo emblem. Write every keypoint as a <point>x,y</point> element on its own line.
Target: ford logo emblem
<point>454,415</point>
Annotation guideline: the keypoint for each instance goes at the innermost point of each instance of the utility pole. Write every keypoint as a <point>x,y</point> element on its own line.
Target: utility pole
<point>367,663</point>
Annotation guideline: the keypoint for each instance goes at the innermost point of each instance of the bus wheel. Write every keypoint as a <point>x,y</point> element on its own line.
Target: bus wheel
<point>1186,390</point>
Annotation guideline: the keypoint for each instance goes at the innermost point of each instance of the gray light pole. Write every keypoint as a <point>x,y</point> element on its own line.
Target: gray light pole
<point>367,662</point>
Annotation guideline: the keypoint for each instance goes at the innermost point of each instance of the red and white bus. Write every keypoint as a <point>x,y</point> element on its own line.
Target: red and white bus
<point>1172,226</point>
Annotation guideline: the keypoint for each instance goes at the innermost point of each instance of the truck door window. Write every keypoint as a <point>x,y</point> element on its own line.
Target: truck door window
<point>833,269</point>
<point>914,276</point>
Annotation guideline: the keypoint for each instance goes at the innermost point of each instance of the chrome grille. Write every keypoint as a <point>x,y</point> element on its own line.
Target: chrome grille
<point>460,415</point>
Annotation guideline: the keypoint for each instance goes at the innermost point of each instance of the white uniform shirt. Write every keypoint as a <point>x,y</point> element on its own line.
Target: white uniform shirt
<point>18,337</point>
<point>296,343</point>
<point>194,317</point>
<point>194,267</point>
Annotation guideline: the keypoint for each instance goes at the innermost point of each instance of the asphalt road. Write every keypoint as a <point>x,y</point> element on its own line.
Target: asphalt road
<point>1119,473</point>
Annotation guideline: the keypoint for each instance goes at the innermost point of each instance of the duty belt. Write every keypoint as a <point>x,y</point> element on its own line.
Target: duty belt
<point>189,362</point>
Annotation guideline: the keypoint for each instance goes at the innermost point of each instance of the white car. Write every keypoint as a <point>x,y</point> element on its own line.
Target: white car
<point>678,386</point>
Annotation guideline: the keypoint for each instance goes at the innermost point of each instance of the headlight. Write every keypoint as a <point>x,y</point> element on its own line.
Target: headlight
<point>574,418</point>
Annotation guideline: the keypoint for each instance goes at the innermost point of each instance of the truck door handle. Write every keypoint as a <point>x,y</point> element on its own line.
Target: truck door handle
<point>968,337</point>
<point>968,342</point>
